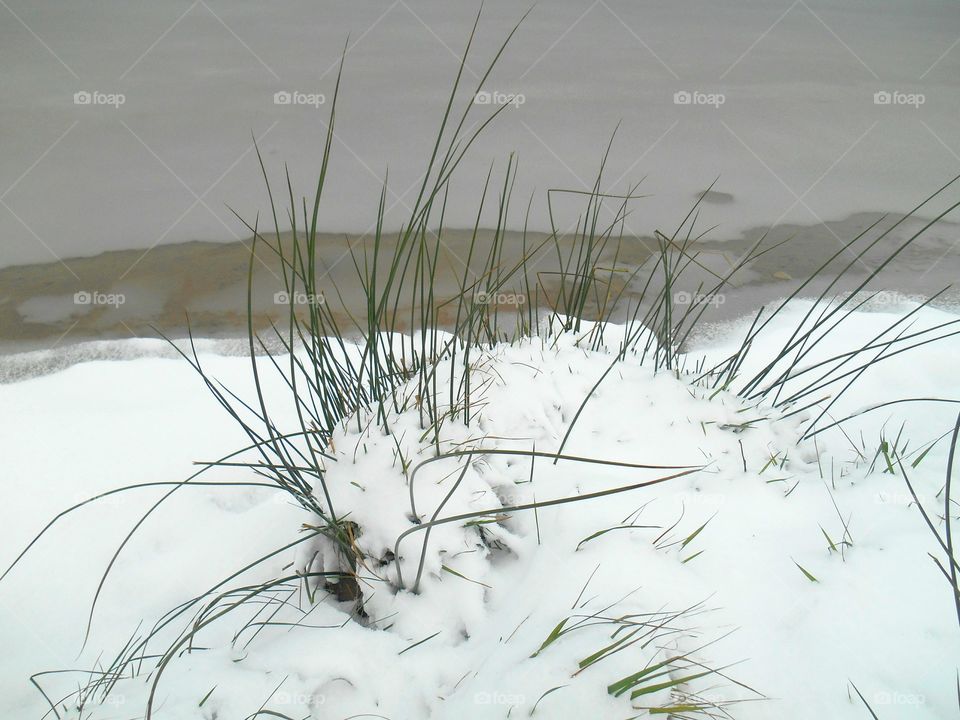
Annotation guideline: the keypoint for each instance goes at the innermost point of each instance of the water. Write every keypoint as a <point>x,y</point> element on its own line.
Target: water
<point>781,107</point>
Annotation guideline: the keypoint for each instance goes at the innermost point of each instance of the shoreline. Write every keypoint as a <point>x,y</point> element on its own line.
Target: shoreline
<point>125,294</point>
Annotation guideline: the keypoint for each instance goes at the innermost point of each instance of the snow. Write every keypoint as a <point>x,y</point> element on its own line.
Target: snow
<point>732,596</point>
<point>797,139</point>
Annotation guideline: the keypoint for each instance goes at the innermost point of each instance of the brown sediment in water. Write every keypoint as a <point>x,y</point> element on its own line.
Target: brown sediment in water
<point>128,293</point>
<point>202,286</point>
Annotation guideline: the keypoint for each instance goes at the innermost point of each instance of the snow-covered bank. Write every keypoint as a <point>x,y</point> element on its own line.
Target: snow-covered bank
<point>718,563</point>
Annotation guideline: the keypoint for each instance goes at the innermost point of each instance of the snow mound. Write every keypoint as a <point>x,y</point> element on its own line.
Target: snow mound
<point>761,578</point>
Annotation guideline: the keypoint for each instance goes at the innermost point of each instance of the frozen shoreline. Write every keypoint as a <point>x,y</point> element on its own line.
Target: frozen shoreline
<point>39,315</point>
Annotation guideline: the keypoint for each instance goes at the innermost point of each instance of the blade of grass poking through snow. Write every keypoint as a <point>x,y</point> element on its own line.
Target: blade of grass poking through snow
<point>453,572</point>
<point>508,509</point>
<point>885,353</point>
<point>830,544</point>
<point>565,626</point>
<point>662,305</point>
<point>258,442</point>
<point>419,642</point>
<point>844,358</point>
<point>864,701</point>
<point>583,404</point>
<point>667,684</point>
<point>171,616</point>
<point>670,667</point>
<point>531,454</point>
<point>801,338</point>
<point>654,628</point>
<point>946,543</point>
<point>806,573</point>
<point>690,538</point>
<point>601,533</point>
<point>922,451</point>
<point>951,558</point>
<point>539,699</point>
<point>162,483</point>
<point>879,406</point>
<point>246,594</point>
<point>552,637</point>
<point>857,373</point>
<point>947,498</point>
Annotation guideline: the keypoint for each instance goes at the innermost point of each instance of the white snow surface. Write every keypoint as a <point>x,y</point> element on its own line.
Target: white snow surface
<point>880,617</point>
